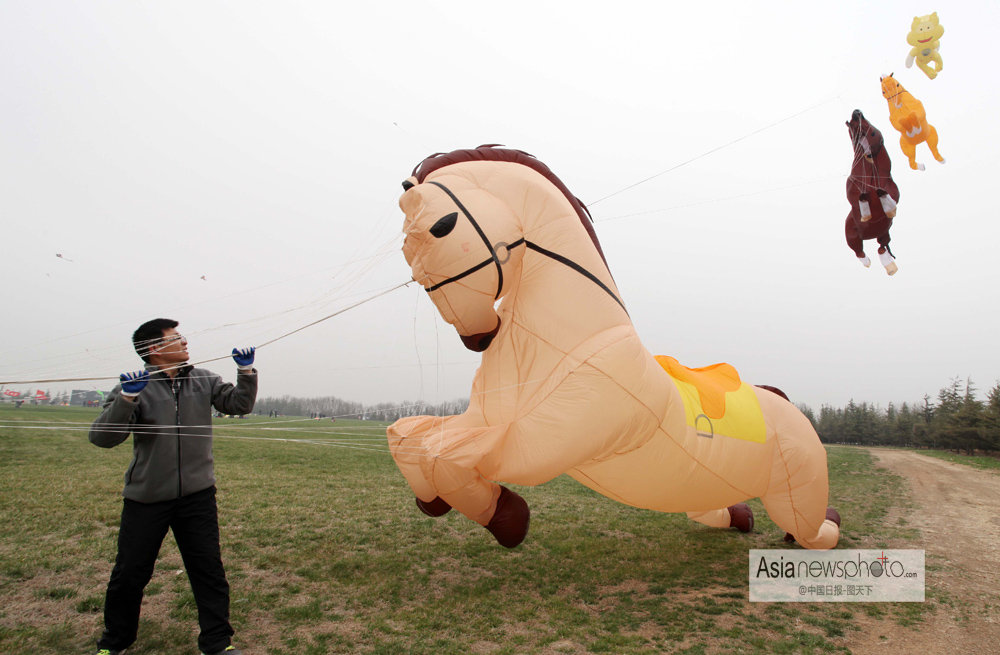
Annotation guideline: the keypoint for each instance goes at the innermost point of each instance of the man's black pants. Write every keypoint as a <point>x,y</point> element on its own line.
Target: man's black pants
<point>194,520</point>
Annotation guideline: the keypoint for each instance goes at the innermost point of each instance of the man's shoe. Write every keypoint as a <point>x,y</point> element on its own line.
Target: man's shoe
<point>105,651</point>
<point>228,650</point>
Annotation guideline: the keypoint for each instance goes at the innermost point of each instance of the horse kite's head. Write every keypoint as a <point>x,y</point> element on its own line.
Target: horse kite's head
<point>468,214</point>
<point>891,88</point>
<point>463,244</point>
<point>866,138</point>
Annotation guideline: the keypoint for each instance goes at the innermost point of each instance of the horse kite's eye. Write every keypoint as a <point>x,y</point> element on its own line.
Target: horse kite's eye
<point>445,225</point>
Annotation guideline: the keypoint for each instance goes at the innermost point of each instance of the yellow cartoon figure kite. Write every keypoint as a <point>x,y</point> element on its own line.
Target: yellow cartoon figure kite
<point>924,36</point>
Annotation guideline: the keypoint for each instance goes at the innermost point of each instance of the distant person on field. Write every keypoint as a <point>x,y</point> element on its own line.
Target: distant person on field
<point>170,483</point>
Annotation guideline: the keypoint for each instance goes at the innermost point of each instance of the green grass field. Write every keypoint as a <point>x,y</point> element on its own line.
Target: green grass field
<point>326,553</point>
<point>977,461</point>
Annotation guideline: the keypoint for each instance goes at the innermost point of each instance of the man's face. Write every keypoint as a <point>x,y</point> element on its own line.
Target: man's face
<point>170,350</point>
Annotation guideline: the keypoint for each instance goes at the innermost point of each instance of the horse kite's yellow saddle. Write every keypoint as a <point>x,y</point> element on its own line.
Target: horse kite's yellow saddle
<point>716,401</point>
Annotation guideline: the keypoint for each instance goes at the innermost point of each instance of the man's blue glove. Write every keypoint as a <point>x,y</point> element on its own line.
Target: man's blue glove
<point>244,358</point>
<point>133,383</point>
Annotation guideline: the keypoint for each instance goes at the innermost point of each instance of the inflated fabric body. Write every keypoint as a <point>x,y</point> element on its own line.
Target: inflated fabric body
<point>870,190</point>
<point>925,34</point>
<point>565,385</point>
<point>907,115</point>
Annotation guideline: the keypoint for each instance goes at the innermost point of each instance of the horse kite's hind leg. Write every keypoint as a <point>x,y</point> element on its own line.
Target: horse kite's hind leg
<point>910,151</point>
<point>738,516</point>
<point>885,255</point>
<point>932,143</point>
<point>854,241</point>
<point>796,497</point>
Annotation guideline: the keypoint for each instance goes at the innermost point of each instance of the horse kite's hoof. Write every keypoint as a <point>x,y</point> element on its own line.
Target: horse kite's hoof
<point>741,517</point>
<point>509,525</point>
<point>832,515</point>
<point>888,261</point>
<point>435,508</point>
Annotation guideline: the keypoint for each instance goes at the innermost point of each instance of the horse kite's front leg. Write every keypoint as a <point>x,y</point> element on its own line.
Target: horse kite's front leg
<point>864,208</point>
<point>454,462</point>
<point>441,464</point>
<point>888,204</point>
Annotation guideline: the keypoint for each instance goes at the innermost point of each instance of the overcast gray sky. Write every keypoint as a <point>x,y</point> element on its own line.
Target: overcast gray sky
<point>261,145</point>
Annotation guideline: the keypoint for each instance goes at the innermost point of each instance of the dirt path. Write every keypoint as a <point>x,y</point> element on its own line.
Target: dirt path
<point>957,510</point>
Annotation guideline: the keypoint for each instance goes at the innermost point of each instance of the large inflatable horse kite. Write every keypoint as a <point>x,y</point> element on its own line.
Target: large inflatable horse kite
<point>565,385</point>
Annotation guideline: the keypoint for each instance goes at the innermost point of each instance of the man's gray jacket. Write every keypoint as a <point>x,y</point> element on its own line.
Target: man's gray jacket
<point>171,424</point>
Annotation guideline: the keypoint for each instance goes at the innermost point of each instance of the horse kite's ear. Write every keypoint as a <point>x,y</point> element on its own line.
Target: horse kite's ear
<point>410,201</point>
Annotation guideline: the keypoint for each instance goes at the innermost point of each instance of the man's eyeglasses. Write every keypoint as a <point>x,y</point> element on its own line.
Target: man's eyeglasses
<point>171,339</point>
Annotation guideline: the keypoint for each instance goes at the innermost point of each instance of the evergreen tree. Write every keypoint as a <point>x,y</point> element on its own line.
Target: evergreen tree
<point>946,427</point>
<point>991,419</point>
<point>807,411</point>
<point>901,429</point>
<point>969,422</point>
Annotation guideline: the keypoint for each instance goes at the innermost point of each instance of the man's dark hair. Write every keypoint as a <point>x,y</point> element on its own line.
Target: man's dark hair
<point>148,333</point>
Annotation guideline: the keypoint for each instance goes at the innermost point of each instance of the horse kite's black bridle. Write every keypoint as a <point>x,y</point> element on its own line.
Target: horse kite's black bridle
<point>506,247</point>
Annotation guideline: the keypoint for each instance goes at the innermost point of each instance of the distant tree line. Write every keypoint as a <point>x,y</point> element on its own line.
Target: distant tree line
<point>333,407</point>
<point>959,420</point>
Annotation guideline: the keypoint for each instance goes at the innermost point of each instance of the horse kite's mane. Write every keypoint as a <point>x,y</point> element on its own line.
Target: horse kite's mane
<point>489,152</point>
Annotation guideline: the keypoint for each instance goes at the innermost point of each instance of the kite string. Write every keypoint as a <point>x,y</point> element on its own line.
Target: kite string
<point>336,313</point>
<point>318,442</point>
<point>709,152</point>
<point>838,97</point>
<point>735,141</point>
<point>267,322</point>
<point>706,202</point>
<point>213,300</point>
<point>263,425</point>
<point>215,359</point>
